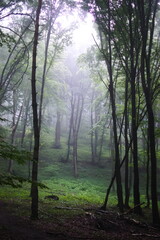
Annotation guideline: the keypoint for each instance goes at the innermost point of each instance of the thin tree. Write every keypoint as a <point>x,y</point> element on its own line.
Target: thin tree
<point>34,187</point>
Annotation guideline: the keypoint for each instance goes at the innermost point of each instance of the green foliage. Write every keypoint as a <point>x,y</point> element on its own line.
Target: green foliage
<point>11,180</point>
<point>17,181</point>
<point>8,151</point>
<point>6,39</point>
<point>6,4</point>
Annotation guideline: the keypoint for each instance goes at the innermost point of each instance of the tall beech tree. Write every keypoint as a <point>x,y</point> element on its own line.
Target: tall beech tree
<point>107,53</point>
<point>147,15</point>
<point>134,54</point>
<point>52,12</point>
<point>34,187</point>
<point>15,122</point>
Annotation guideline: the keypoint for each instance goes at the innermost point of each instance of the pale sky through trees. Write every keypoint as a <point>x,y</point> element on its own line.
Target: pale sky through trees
<point>83,34</point>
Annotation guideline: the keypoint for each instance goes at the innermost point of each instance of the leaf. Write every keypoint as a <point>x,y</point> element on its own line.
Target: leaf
<point>8,151</point>
<point>17,181</point>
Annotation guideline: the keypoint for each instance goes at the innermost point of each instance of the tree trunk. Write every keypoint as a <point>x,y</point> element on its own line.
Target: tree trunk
<point>147,31</point>
<point>34,187</point>
<point>114,117</point>
<point>78,103</point>
<point>133,67</point>
<point>148,173</point>
<point>57,143</point>
<point>93,157</point>
<point>14,128</point>
<point>152,144</point>
<point>70,130</point>
<point>127,193</point>
<point>25,120</point>
<point>45,64</point>
<point>101,142</point>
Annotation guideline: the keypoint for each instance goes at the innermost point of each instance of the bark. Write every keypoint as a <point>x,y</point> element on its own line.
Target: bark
<point>117,157</point>
<point>78,103</point>
<point>107,54</point>
<point>101,142</point>
<point>148,175</point>
<point>57,143</point>
<point>113,105</point>
<point>93,159</point>
<point>127,193</point>
<point>14,128</point>
<point>25,120</point>
<point>112,154</point>
<point>52,13</point>
<point>133,67</point>
<point>151,132</point>
<point>70,130</point>
<point>45,65</point>
<point>34,187</point>
<point>147,31</point>
<point>96,137</point>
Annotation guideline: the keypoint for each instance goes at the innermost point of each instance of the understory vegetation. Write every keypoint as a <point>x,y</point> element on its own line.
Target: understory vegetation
<point>88,189</point>
<point>79,106</point>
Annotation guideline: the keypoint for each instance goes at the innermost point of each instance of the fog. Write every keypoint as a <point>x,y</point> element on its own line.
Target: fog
<point>79,103</point>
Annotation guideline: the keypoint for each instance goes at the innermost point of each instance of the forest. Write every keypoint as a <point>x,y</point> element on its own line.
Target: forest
<point>79,119</point>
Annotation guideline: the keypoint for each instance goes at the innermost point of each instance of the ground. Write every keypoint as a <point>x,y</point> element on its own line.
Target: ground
<point>91,224</point>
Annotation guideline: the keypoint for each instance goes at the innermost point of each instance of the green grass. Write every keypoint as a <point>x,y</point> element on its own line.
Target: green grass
<point>88,189</point>
<point>60,180</point>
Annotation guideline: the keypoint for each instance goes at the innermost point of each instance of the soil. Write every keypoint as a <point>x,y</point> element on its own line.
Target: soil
<point>96,225</point>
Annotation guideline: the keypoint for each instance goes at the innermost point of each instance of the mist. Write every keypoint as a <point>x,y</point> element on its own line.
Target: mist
<point>79,124</point>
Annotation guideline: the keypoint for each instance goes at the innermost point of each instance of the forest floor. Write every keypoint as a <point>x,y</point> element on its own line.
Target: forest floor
<point>92,224</point>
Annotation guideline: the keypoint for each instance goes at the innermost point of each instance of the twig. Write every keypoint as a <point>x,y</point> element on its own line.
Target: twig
<point>132,209</point>
<point>145,235</point>
<point>69,208</point>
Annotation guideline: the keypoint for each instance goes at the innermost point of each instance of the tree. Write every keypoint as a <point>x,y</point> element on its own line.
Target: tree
<point>77,103</point>
<point>15,122</point>
<point>52,12</point>
<point>34,188</point>
<point>132,35</point>
<point>147,15</point>
<point>107,53</point>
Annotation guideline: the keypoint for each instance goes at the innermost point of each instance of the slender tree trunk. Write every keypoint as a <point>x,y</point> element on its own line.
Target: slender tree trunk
<point>130,185</point>
<point>34,187</point>
<point>112,154</point>
<point>113,105</point>
<point>29,161</point>
<point>133,67</point>
<point>25,120</point>
<point>75,167</point>
<point>96,137</point>
<point>70,130</point>
<point>92,133</point>
<point>126,148</point>
<point>14,128</point>
<point>147,31</point>
<point>78,103</point>
<point>101,142</point>
<point>117,157</point>
<point>151,133</point>
<point>57,143</point>
<point>45,64</point>
<point>148,173</point>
